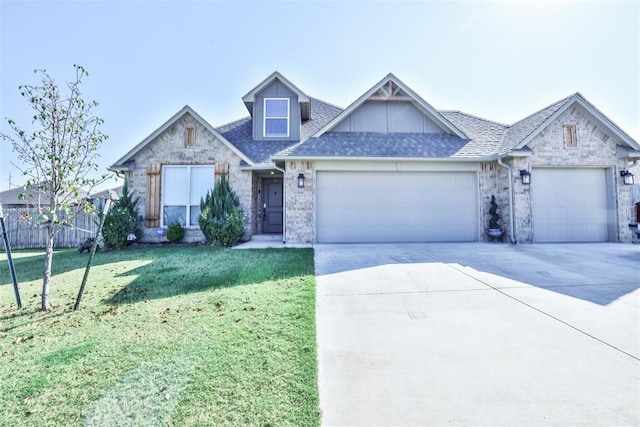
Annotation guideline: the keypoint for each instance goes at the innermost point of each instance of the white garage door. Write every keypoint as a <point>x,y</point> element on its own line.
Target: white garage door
<point>569,205</point>
<point>396,207</point>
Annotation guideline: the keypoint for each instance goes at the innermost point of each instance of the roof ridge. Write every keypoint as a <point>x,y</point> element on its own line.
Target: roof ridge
<point>232,123</point>
<point>555,106</point>
<point>325,102</point>
<point>474,116</point>
<point>563,100</point>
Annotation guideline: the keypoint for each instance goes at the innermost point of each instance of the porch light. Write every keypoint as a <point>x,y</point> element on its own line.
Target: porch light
<point>627,177</point>
<point>525,176</point>
<point>300,180</point>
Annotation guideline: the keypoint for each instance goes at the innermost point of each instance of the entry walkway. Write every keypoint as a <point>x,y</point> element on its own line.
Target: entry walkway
<point>478,334</point>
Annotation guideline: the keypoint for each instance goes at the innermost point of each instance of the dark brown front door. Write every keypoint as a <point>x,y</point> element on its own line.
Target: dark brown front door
<point>272,205</point>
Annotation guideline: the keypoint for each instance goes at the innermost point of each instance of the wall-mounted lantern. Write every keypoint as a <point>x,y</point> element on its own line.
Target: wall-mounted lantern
<point>300,180</point>
<point>627,177</point>
<point>525,176</point>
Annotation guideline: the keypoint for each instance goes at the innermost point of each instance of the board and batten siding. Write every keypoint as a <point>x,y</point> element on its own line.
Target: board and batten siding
<point>388,117</point>
<point>276,90</point>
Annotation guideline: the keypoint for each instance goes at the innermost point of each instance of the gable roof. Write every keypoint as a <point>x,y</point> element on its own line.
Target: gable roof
<point>420,103</point>
<point>303,99</point>
<point>522,132</point>
<point>121,164</point>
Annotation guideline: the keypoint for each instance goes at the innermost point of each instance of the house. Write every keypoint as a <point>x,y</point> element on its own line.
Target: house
<point>23,197</point>
<point>391,168</point>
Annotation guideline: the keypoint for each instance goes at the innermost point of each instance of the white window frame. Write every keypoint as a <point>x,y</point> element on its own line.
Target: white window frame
<point>265,118</point>
<point>188,192</point>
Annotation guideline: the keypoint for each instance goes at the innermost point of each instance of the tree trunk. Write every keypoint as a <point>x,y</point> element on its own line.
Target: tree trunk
<point>48,258</point>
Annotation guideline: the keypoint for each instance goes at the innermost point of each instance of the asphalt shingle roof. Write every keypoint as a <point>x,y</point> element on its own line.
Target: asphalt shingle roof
<point>519,131</point>
<point>485,135</point>
<point>372,144</point>
<point>239,133</point>
<point>486,138</point>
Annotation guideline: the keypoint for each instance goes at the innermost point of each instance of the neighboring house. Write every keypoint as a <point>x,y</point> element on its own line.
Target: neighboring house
<point>17,198</point>
<point>390,168</point>
<point>21,197</point>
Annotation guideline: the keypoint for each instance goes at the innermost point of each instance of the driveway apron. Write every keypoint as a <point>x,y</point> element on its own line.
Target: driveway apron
<point>478,334</point>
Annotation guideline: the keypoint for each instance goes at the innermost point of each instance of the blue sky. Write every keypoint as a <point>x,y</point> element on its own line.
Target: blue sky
<point>147,59</point>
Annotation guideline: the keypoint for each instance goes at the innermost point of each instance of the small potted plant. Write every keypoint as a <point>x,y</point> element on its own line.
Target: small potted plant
<point>494,230</point>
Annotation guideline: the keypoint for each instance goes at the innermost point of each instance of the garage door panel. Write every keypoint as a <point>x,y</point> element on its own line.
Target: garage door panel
<point>396,206</point>
<point>564,213</point>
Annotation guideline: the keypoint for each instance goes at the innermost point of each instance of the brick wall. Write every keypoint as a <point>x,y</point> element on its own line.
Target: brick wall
<point>595,148</point>
<point>299,205</point>
<point>169,149</point>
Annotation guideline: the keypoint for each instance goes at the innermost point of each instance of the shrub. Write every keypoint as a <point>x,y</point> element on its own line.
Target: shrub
<point>175,232</point>
<point>121,220</point>
<point>227,231</point>
<point>221,218</point>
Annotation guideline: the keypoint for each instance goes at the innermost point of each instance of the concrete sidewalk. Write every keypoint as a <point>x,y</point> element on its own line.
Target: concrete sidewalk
<point>478,334</point>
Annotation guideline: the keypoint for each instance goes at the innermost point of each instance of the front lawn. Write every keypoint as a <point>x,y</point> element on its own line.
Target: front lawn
<point>164,336</point>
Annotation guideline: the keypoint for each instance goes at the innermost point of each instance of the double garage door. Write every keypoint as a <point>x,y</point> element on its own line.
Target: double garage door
<point>396,207</point>
<point>570,205</point>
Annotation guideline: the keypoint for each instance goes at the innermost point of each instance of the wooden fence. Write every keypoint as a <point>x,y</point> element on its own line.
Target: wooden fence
<point>24,232</point>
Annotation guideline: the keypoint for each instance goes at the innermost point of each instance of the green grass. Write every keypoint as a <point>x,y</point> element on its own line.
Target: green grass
<point>164,336</point>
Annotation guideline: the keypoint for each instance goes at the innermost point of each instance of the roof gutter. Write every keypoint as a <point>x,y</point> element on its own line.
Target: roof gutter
<point>511,210</point>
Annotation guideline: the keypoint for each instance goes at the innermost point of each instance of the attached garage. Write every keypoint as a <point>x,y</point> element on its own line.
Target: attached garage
<point>571,205</point>
<point>367,207</point>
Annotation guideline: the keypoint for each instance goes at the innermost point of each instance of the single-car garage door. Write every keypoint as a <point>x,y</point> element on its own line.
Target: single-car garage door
<point>396,207</point>
<point>563,211</point>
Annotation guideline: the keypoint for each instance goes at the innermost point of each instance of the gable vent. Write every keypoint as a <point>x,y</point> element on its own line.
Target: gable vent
<point>389,92</point>
<point>570,136</point>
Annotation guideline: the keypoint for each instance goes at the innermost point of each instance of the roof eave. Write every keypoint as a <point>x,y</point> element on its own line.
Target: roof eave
<point>591,109</point>
<point>250,96</point>
<point>392,159</point>
<point>119,164</point>
<point>625,153</point>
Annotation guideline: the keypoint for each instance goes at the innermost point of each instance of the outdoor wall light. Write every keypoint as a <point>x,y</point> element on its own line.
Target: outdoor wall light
<point>627,177</point>
<point>525,176</point>
<point>300,180</point>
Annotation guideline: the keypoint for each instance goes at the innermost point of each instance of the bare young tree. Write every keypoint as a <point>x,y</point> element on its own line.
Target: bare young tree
<point>59,156</point>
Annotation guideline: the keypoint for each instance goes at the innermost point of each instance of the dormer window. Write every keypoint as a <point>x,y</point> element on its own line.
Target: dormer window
<point>276,117</point>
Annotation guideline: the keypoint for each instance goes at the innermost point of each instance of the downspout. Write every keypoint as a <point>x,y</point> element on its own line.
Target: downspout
<point>284,203</point>
<point>511,210</point>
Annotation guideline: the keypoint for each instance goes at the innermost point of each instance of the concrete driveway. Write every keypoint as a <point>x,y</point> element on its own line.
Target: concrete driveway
<point>479,334</point>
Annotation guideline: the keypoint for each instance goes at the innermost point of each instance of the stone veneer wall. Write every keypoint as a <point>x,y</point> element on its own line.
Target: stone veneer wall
<point>595,149</point>
<point>299,219</point>
<point>168,149</point>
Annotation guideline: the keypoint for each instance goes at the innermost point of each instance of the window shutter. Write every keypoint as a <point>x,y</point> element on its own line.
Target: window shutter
<point>152,211</point>
<point>222,168</point>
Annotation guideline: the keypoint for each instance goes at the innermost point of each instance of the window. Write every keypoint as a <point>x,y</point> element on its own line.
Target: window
<point>182,188</point>
<point>276,117</point>
<point>189,136</point>
<point>570,137</point>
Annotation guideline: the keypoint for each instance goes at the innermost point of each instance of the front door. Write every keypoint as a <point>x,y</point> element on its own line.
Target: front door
<point>272,205</point>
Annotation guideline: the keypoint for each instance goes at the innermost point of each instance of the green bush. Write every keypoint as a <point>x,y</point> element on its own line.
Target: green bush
<point>175,232</point>
<point>221,218</point>
<point>227,231</point>
<point>121,220</point>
